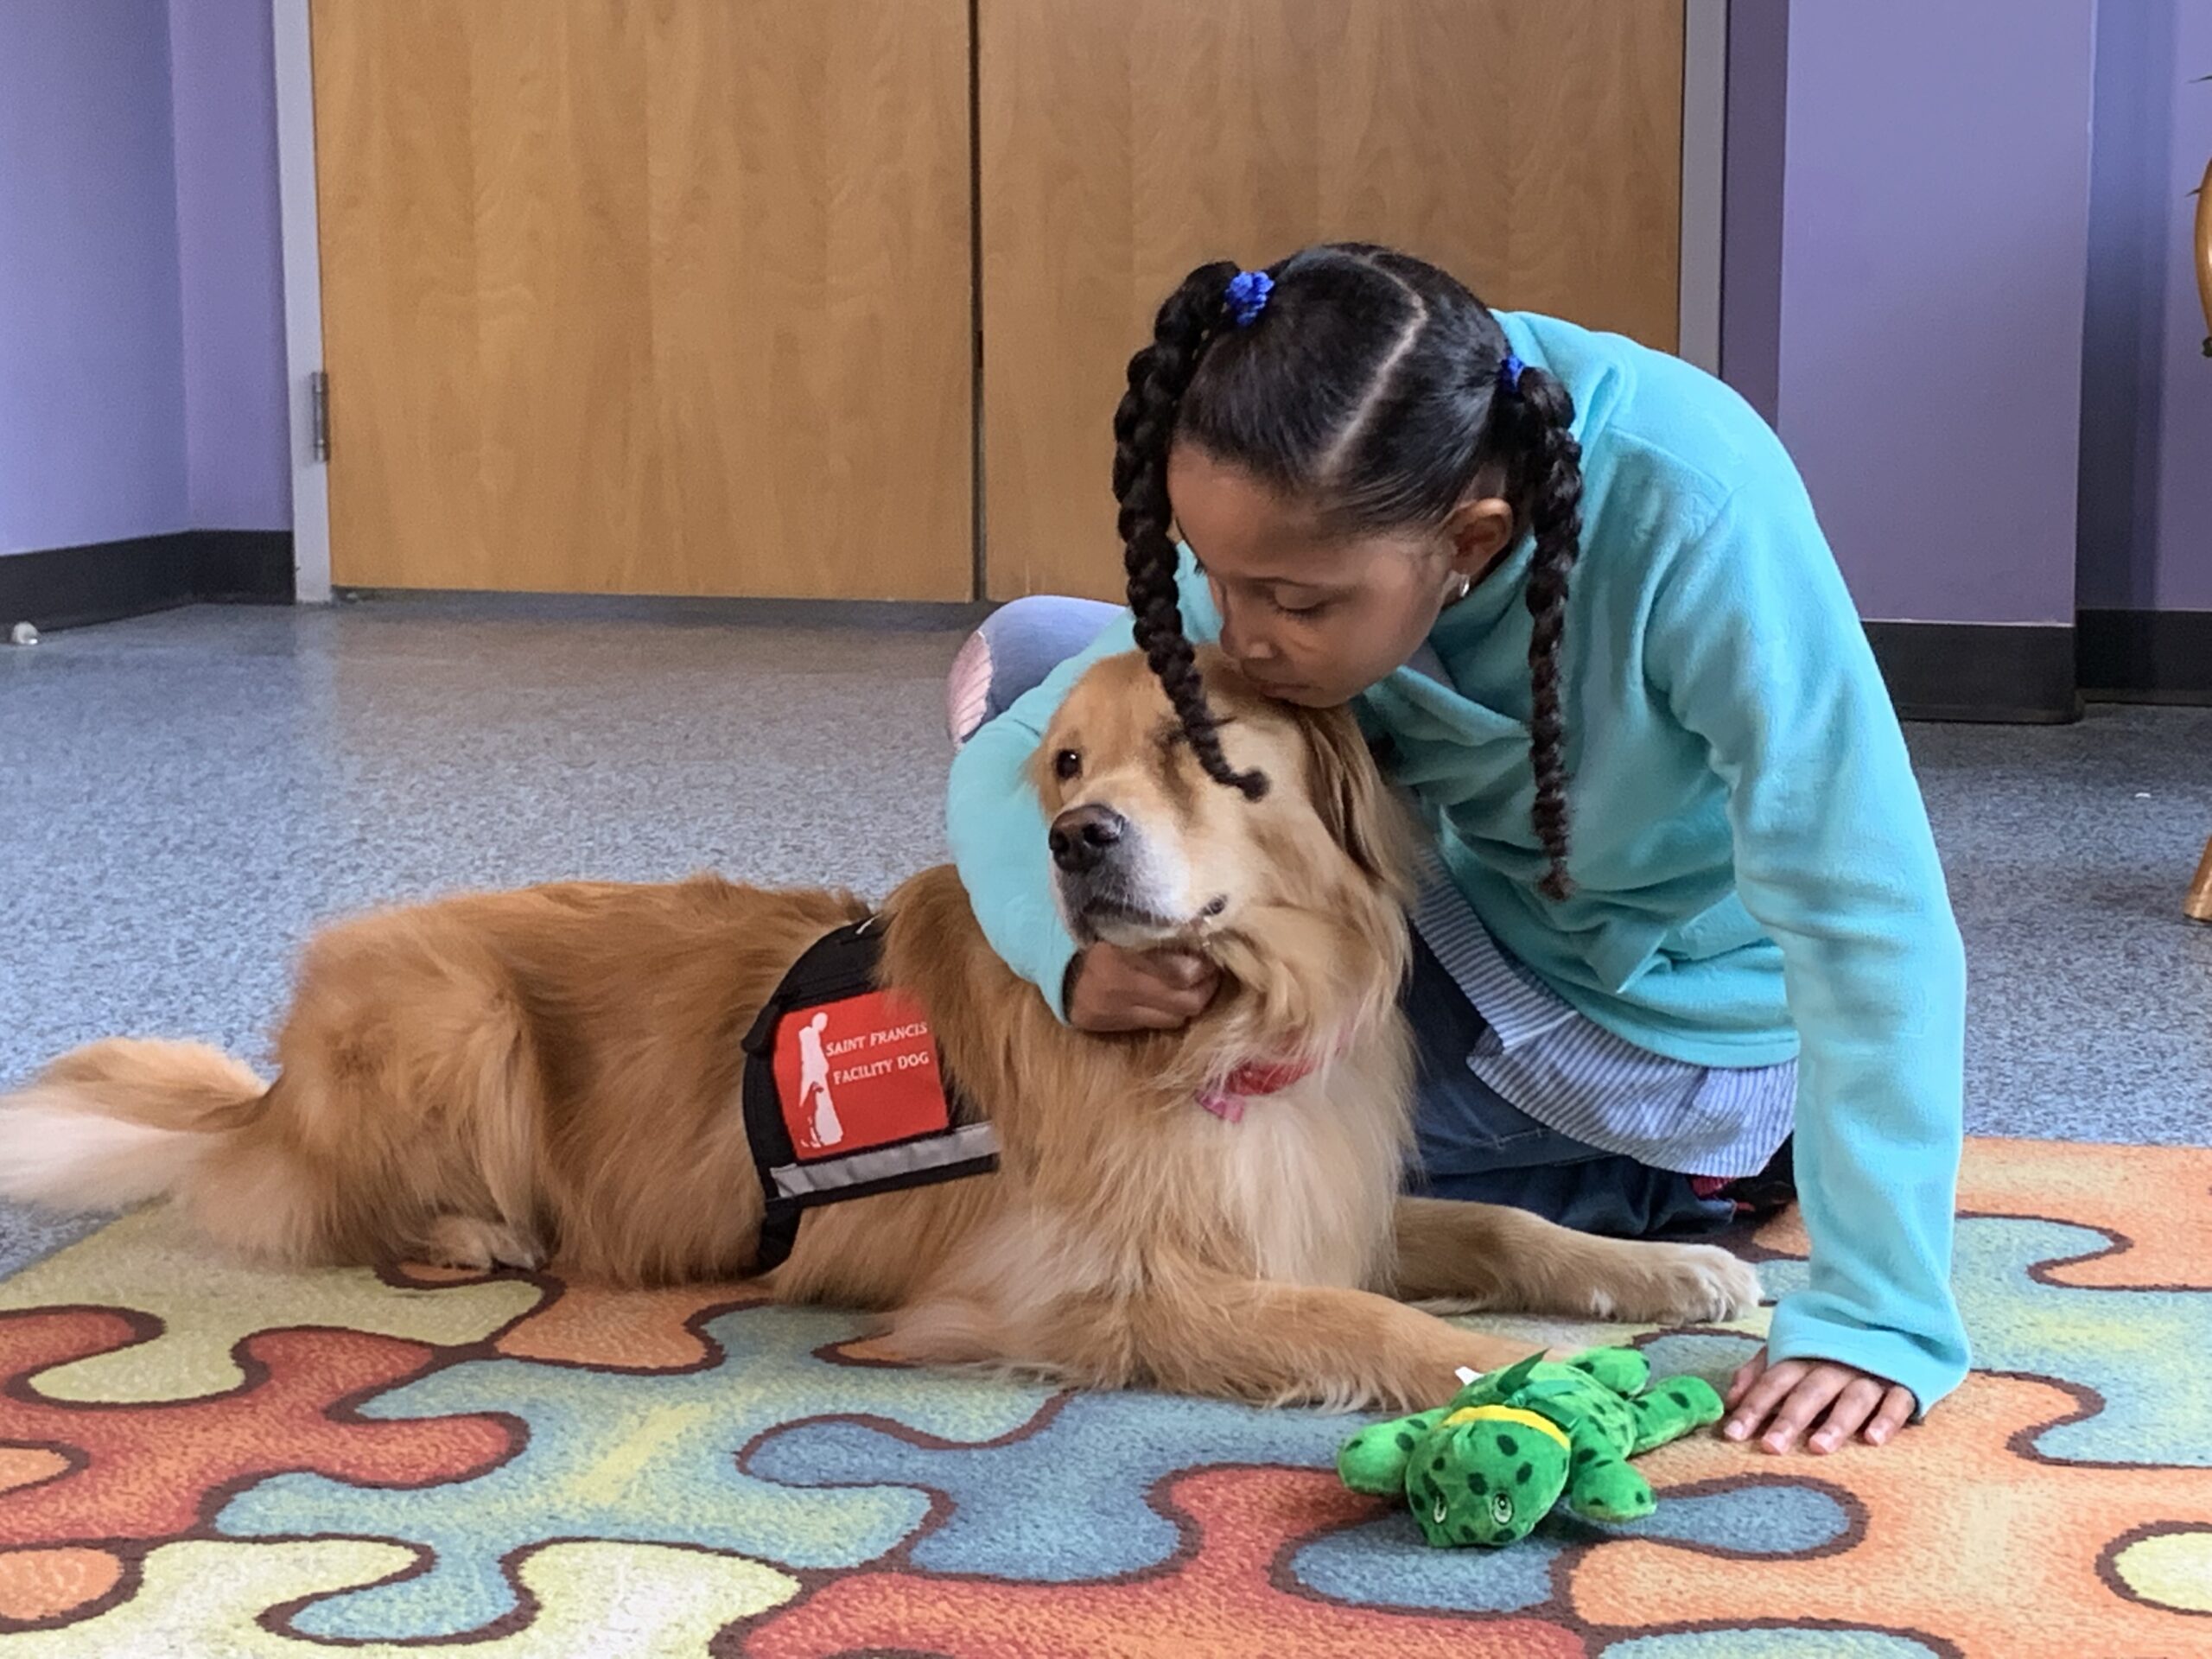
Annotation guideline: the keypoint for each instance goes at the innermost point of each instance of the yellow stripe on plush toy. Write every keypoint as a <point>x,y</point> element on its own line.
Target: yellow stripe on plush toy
<point>1505,1415</point>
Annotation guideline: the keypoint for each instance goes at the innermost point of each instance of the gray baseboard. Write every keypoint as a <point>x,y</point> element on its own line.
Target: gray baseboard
<point>2146,656</point>
<point>2020,675</point>
<point>1935,670</point>
<point>71,587</point>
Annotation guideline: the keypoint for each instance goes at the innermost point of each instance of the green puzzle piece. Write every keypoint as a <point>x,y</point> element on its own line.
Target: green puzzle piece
<point>208,1597</point>
<point>206,1304</point>
<point>616,1455</point>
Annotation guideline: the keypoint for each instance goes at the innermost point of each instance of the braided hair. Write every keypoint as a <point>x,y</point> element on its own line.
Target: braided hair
<point>1144,427</point>
<point>1377,389</point>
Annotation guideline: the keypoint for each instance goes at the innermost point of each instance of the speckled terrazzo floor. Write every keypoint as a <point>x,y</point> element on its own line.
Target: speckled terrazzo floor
<point>183,796</point>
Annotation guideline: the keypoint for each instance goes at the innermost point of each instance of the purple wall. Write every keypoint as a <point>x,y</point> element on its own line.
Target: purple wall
<point>1934,242</point>
<point>2146,387</point>
<point>91,378</point>
<point>1755,176</point>
<point>1911,236</point>
<point>230,257</point>
<point>141,316</point>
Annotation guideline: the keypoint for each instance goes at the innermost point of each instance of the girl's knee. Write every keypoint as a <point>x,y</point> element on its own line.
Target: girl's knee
<point>968,689</point>
<point>1017,646</point>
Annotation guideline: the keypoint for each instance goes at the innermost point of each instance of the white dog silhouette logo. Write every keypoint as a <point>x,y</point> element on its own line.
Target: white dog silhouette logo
<point>823,1128</point>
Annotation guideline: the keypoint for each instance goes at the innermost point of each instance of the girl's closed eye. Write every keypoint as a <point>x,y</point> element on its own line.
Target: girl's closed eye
<point>1301,602</point>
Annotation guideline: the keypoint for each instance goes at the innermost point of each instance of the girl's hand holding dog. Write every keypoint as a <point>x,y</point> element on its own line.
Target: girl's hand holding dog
<point>1113,989</point>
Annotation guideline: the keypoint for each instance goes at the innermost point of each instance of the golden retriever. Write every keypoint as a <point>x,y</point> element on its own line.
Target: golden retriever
<point>554,1074</point>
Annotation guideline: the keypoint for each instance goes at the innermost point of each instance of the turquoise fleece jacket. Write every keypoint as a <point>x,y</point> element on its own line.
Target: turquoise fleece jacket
<point>1754,876</point>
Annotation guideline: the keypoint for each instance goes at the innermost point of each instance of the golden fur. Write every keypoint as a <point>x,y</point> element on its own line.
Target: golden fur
<point>554,1074</point>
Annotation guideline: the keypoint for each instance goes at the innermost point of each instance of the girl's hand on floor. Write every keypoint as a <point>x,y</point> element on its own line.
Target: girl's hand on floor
<point>1110,990</point>
<point>1786,1398</point>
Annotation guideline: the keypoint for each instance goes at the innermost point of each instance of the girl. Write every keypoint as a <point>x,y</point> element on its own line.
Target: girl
<point>1682,896</point>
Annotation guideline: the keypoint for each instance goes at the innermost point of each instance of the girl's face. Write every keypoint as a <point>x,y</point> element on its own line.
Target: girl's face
<point>1315,618</point>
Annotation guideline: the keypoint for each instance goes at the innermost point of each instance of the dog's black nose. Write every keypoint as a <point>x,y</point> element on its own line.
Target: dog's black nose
<point>1082,837</point>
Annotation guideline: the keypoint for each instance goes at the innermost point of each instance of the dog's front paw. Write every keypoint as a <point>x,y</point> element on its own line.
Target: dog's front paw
<point>1678,1284</point>
<point>476,1246</point>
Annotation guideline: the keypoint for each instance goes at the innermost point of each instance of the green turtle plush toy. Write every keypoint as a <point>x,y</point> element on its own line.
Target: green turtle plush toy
<point>1487,1467</point>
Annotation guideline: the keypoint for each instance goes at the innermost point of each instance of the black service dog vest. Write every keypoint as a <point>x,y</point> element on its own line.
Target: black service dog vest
<point>845,1094</point>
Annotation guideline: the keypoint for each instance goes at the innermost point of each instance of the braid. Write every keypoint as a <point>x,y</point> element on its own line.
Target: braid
<point>1545,479</point>
<point>1376,393</point>
<point>1144,427</point>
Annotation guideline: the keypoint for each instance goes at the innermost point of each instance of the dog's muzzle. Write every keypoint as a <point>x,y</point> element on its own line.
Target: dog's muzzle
<point>1085,838</point>
<point>1110,879</point>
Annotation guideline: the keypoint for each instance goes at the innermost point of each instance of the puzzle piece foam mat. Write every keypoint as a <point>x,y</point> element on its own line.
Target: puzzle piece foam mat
<point>202,1461</point>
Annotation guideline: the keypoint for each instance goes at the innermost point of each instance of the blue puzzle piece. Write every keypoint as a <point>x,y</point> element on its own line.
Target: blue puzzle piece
<point>1064,1504</point>
<point>649,1460</point>
<point>2142,1350</point>
<point>2139,1349</point>
<point>1765,1643</point>
<point>1699,1353</point>
<point>1385,1564</point>
<point>1760,1518</point>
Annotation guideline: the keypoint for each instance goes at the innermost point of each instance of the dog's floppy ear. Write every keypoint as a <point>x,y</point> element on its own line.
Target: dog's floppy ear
<point>1348,792</point>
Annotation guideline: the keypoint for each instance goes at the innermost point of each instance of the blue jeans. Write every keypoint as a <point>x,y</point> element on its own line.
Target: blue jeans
<point>1470,1141</point>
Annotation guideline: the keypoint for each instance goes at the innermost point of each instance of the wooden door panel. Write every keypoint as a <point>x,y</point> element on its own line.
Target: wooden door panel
<point>395,188</point>
<point>848,383</point>
<point>648,295</point>
<point>1533,150</point>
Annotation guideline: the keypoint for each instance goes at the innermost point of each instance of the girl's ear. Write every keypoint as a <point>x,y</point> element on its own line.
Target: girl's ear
<point>1480,529</point>
<point>1349,794</point>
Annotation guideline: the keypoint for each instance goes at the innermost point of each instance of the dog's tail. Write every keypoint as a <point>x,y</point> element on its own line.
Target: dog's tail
<point>121,1122</point>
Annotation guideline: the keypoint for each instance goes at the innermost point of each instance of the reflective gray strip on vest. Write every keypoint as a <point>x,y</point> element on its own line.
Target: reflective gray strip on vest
<point>966,1144</point>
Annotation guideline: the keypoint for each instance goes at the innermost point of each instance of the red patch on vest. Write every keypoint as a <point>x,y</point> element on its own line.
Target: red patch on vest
<point>858,1074</point>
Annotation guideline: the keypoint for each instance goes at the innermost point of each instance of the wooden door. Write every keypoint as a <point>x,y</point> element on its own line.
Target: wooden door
<point>653,296</point>
<point>1534,150</point>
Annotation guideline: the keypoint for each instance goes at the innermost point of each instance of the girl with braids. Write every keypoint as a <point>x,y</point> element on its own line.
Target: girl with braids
<point>1683,925</point>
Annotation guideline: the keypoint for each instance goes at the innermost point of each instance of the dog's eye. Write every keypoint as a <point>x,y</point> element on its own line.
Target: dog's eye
<point>1067,765</point>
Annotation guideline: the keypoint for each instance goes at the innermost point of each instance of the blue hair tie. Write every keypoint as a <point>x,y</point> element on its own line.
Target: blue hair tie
<point>1509,372</point>
<point>1247,295</point>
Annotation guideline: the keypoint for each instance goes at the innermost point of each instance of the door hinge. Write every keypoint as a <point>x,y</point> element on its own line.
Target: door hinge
<point>319,414</point>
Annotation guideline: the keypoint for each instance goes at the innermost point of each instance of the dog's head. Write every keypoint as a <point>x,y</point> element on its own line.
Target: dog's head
<point>1149,851</point>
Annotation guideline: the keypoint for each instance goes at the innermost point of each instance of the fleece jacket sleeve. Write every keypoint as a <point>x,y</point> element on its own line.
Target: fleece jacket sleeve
<point>996,827</point>
<point>1754,642</point>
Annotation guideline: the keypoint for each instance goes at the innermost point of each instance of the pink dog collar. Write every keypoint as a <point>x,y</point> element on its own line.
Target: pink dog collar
<point>1225,1100</point>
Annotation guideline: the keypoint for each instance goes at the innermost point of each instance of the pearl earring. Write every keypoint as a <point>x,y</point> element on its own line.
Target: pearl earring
<point>1466,586</point>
